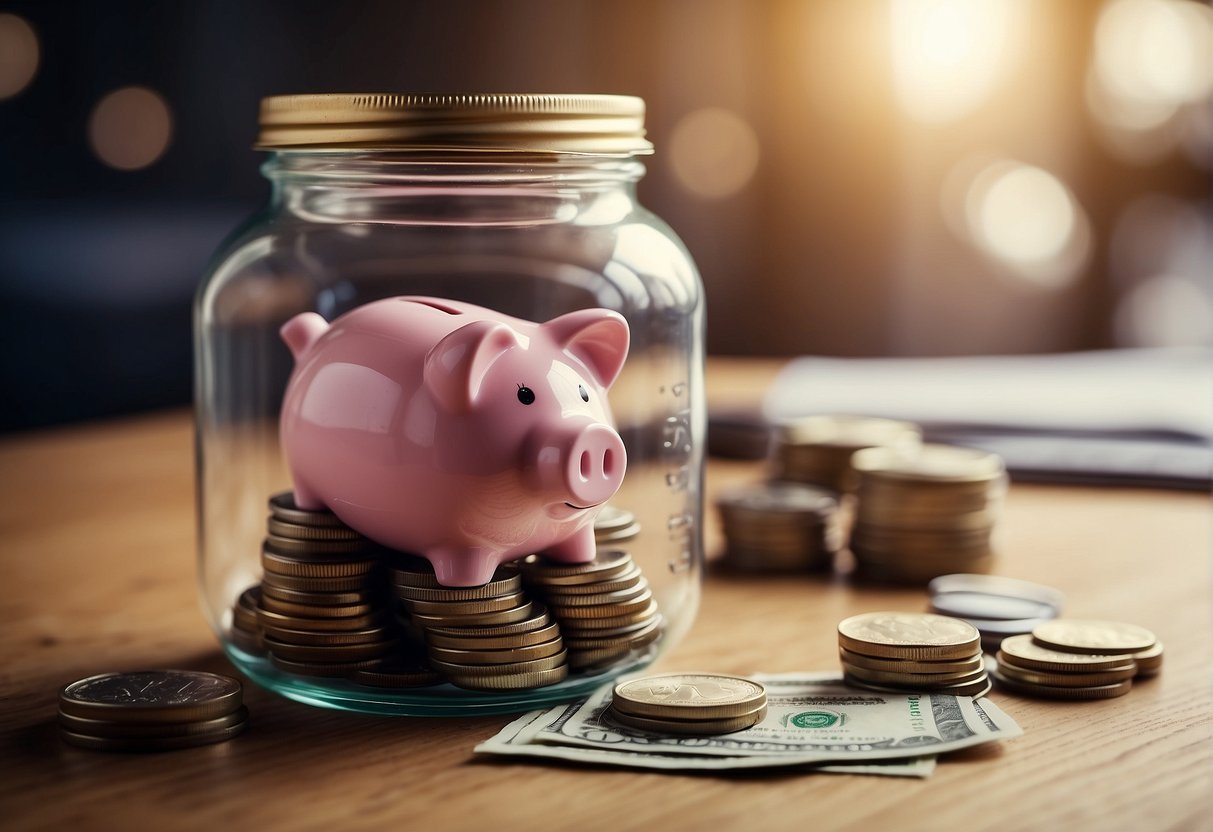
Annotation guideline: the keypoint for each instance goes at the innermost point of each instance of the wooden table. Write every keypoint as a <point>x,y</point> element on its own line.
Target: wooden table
<point>98,549</point>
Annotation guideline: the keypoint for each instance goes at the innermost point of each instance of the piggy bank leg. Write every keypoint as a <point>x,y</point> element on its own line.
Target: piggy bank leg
<point>306,499</point>
<point>462,567</point>
<point>579,548</point>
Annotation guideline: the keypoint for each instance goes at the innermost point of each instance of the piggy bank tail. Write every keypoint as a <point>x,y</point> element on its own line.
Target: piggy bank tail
<point>301,331</point>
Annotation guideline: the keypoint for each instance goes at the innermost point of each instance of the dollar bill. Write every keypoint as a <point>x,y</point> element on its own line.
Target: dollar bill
<point>812,719</point>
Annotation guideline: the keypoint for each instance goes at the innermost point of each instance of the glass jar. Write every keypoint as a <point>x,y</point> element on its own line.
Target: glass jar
<point>521,204</point>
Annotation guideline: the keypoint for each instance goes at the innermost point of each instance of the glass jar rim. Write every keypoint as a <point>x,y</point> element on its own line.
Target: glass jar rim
<point>540,123</point>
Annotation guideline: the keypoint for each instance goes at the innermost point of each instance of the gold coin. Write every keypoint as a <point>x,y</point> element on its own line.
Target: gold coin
<point>300,531</point>
<point>398,673</point>
<point>152,696</point>
<point>647,633</point>
<point>598,599</point>
<point>903,635</point>
<point>150,743</point>
<point>1024,652</point>
<point>141,730</point>
<point>283,506</point>
<point>1068,679</point>
<point>284,565</point>
<point>967,665</point>
<point>976,689</point>
<point>512,681</point>
<point>689,696</point>
<point>331,670</point>
<point>328,653</point>
<point>303,583</point>
<point>509,616</point>
<point>462,670</point>
<point>929,463</point>
<point>1149,662</point>
<point>473,607</point>
<point>597,626</point>
<point>1072,635</point>
<point>617,536</point>
<point>924,680</point>
<point>316,599</point>
<point>537,620</point>
<point>848,433</point>
<point>1053,692</point>
<point>329,638</point>
<point>493,589</point>
<point>613,609</point>
<point>627,579</point>
<point>418,574</point>
<point>606,565</point>
<point>269,618</point>
<point>455,639</point>
<point>688,727</point>
<point>314,548</point>
<point>612,518</point>
<point>510,655</point>
<point>274,604</point>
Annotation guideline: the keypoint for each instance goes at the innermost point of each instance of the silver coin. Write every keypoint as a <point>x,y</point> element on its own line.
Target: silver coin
<point>981,605</point>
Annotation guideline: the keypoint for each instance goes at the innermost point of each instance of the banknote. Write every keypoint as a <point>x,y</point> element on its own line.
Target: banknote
<point>811,719</point>
<point>512,741</point>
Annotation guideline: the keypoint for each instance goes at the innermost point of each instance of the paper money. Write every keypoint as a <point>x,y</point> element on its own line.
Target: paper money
<point>811,719</point>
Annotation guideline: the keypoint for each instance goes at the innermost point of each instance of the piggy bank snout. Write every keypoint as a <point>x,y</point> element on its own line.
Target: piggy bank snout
<point>585,460</point>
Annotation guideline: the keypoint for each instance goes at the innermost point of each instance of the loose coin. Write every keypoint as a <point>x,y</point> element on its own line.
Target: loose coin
<point>1022,651</point>
<point>689,727</point>
<point>969,665</point>
<point>999,586</point>
<point>608,564</point>
<point>1073,635</point>
<point>908,635</point>
<point>970,605</point>
<point>150,743</point>
<point>152,696</point>
<point>284,507</point>
<point>975,689</point>
<point>145,730</point>
<point>925,680</point>
<point>689,696</point>
<point>1068,679</point>
<point>1051,692</point>
<point>1149,662</point>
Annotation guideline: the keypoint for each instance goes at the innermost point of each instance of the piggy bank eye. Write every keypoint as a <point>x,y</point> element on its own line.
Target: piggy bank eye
<point>585,394</point>
<point>526,395</point>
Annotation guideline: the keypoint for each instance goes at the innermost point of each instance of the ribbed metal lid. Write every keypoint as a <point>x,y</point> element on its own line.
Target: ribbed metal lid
<point>609,124</point>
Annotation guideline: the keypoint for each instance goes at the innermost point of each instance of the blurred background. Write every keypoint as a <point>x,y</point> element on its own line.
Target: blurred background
<point>853,177</point>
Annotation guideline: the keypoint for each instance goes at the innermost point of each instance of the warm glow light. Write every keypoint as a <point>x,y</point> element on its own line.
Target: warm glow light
<point>1152,59</point>
<point>713,152</point>
<point>130,128</point>
<point>949,54</point>
<point>18,55</point>
<point>1164,311</point>
<point>1027,219</point>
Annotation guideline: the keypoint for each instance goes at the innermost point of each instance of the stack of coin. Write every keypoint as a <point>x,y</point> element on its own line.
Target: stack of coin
<point>998,607</point>
<point>488,637</point>
<point>321,607</point>
<point>1072,659</point>
<point>900,652</point>
<point>605,608</point>
<point>246,632</point>
<point>614,526</point>
<point>925,513</point>
<point>153,710</point>
<point>697,704</point>
<point>780,527</point>
<point>817,450</point>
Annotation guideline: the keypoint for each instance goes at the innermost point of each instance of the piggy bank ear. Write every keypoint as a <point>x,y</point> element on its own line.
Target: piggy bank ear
<point>596,337</point>
<point>456,366</point>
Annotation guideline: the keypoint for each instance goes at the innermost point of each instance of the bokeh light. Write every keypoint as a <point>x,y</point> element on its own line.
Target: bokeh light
<point>1026,219</point>
<point>713,152</point>
<point>948,55</point>
<point>1153,60</point>
<point>130,128</point>
<point>1165,310</point>
<point>18,55</point>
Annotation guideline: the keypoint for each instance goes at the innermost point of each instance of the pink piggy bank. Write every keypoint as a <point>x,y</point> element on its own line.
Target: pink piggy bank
<point>454,432</point>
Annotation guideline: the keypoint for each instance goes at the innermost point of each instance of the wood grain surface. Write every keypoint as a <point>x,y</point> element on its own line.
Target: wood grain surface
<point>99,574</point>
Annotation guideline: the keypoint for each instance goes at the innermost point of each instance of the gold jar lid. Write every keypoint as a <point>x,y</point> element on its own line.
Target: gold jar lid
<point>606,124</point>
